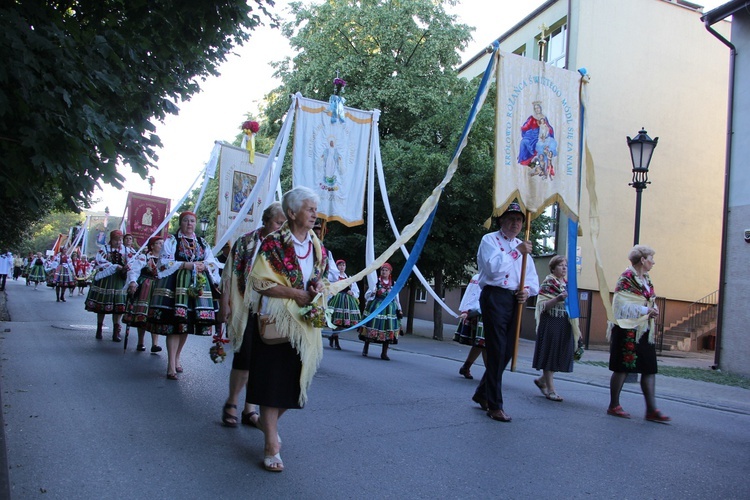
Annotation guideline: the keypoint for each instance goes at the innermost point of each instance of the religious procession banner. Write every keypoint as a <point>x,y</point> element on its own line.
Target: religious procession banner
<point>537,153</point>
<point>144,214</point>
<point>330,157</point>
<point>237,179</point>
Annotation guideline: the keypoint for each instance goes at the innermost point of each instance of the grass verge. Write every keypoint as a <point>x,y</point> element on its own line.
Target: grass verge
<point>704,375</point>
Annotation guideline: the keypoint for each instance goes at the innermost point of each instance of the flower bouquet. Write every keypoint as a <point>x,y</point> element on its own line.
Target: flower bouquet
<point>317,314</point>
<point>217,351</point>
<point>196,289</point>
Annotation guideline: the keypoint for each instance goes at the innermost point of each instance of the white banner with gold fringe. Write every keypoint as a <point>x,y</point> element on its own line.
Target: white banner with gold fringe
<point>330,157</point>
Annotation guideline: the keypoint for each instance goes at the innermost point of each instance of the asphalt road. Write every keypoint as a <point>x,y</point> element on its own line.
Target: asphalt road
<point>86,420</point>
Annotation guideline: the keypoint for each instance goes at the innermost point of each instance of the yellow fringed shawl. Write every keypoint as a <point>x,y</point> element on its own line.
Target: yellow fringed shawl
<point>277,264</point>
<point>630,294</point>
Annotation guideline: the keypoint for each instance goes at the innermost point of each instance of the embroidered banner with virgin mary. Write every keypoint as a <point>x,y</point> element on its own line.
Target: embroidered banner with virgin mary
<point>537,137</point>
<point>330,157</point>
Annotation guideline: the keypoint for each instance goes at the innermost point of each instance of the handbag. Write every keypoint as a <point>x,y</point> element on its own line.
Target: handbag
<point>269,333</point>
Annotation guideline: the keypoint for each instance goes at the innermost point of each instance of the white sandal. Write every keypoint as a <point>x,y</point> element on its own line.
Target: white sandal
<point>273,463</point>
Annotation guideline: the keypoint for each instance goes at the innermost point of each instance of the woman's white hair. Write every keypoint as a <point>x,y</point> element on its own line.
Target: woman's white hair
<point>294,198</point>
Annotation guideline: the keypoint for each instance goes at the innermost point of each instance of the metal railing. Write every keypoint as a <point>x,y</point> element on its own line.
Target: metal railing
<point>702,312</point>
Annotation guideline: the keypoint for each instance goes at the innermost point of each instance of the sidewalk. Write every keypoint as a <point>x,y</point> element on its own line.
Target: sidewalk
<point>693,392</point>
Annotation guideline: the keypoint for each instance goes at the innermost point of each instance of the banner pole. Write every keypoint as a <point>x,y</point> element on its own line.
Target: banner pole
<point>519,310</point>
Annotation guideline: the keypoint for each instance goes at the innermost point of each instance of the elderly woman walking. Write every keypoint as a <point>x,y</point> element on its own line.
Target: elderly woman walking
<point>631,336</point>
<point>288,274</point>
<point>235,311</point>
<point>557,334</point>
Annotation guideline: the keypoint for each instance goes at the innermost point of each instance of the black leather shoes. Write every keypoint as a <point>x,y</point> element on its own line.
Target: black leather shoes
<point>480,401</point>
<point>499,415</point>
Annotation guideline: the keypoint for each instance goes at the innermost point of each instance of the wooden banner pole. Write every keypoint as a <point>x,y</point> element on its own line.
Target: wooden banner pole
<point>519,311</point>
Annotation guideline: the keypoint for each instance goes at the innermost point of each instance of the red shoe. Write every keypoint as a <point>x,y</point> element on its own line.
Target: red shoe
<point>657,416</point>
<point>617,411</point>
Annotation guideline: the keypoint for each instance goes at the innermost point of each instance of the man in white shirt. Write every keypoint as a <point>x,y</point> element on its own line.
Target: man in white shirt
<point>6,264</point>
<point>499,259</point>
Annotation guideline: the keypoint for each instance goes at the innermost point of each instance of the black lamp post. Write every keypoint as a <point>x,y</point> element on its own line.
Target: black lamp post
<point>641,150</point>
<point>204,226</point>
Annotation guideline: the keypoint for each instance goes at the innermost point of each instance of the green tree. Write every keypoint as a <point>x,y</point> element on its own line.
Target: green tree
<point>44,233</point>
<point>83,80</point>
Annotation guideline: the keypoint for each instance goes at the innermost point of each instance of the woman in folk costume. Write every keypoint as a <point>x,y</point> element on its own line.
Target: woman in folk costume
<point>143,274</point>
<point>107,294</point>
<point>183,303</point>
<point>28,263</point>
<point>384,328</point>
<point>631,336</point>
<point>65,277</point>
<point>83,269</point>
<point>557,335</point>
<point>345,306</point>
<point>50,266</point>
<point>288,275</point>
<point>470,328</point>
<point>235,310</point>
<point>36,273</point>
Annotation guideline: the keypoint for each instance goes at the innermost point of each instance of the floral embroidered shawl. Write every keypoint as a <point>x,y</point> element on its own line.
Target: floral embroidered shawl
<point>235,280</point>
<point>550,288</point>
<point>631,295</point>
<point>277,264</point>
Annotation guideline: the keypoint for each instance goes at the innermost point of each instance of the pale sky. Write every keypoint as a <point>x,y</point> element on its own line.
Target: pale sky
<point>216,113</point>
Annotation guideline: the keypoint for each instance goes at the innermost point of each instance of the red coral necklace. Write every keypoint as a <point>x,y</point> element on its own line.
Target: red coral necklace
<point>307,254</point>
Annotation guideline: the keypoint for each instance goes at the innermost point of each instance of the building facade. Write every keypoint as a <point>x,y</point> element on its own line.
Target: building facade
<point>733,348</point>
<point>651,65</point>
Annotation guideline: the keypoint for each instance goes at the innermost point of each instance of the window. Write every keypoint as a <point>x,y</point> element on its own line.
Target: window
<point>546,231</point>
<point>556,43</point>
<point>421,295</point>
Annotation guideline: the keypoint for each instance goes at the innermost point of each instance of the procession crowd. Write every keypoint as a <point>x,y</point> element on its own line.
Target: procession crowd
<point>268,291</point>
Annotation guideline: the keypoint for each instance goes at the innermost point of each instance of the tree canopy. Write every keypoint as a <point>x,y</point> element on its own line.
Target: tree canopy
<point>84,80</point>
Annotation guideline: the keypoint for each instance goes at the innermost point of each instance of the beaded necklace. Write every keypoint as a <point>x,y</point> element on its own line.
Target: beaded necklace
<point>307,254</point>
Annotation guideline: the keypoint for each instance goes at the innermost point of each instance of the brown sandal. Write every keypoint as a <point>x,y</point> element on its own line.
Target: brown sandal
<point>227,419</point>
<point>247,419</point>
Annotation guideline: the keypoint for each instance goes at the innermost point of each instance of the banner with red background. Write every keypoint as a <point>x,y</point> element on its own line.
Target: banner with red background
<point>144,214</point>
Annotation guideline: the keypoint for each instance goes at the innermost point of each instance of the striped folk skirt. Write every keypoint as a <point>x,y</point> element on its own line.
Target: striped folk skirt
<point>384,327</point>
<point>138,304</point>
<point>173,311</point>
<point>345,310</point>
<point>107,295</point>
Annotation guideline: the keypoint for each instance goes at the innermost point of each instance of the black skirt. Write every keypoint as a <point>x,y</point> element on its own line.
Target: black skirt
<point>274,371</point>
<point>645,353</point>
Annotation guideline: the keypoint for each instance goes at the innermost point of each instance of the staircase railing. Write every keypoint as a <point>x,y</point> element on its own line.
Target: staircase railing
<point>703,311</point>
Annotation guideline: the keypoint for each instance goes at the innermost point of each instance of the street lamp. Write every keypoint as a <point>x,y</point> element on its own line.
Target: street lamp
<point>204,226</point>
<point>641,150</point>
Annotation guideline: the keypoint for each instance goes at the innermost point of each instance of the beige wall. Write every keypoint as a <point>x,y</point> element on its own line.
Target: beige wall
<point>655,67</point>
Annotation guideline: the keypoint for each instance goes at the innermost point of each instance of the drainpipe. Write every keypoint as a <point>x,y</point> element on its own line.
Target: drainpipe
<point>709,21</point>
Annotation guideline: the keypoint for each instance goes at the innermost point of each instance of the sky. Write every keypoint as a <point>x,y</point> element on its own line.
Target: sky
<point>246,77</point>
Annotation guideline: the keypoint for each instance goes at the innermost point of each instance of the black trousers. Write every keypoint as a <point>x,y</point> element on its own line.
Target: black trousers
<point>499,306</point>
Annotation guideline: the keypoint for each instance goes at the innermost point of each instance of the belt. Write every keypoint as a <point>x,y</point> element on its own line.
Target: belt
<point>500,289</point>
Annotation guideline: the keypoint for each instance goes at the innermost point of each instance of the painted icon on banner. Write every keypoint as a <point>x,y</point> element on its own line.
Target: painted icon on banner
<point>538,147</point>
<point>242,185</point>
